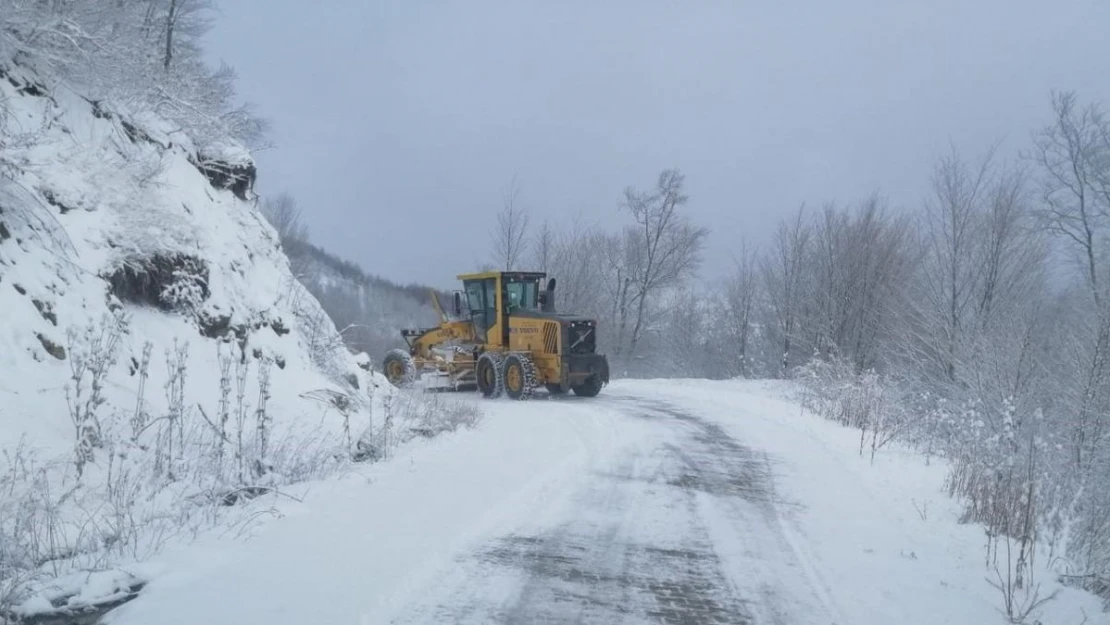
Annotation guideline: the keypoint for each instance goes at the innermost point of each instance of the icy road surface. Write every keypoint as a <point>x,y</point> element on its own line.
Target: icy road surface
<point>657,502</point>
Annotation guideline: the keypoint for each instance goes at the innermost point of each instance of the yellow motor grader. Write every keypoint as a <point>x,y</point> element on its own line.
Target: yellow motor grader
<point>506,339</point>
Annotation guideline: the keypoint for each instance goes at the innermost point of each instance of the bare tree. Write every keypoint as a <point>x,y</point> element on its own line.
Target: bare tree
<point>741,290</point>
<point>543,247</point>
<point>510,236</point>
<point>284,215</point>
<point>577,260</point>
<point>171,23</point>
<point>783,275</point>
<point>667,247</point>
<point>621,255</point>
<point>859,263</point>
<point>182,23</point>
<point>1012,250</point>
<point>953,273</point>
<point>1074,158</point>
<point>1071,152</point>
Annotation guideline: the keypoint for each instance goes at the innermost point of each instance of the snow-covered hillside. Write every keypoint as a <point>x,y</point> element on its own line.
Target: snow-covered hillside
<point>155,347</point>
<point>111,219</point>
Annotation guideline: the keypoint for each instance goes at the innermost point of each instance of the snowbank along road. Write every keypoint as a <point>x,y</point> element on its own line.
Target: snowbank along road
<point>668,502</point>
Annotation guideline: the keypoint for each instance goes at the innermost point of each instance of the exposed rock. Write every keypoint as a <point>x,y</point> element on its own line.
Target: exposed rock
<point>238,178</point>
<point>278,326</point>
<point>46,310</point>
<point>170,283</point>
<point>214,326</point>
<point>51,347</point>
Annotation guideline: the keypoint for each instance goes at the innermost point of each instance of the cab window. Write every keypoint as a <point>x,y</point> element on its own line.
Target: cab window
<point>522,295</point>
<point>481,303</point>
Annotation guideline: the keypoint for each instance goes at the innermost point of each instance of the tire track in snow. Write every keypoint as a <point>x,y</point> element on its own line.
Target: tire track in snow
<point>775,551</point>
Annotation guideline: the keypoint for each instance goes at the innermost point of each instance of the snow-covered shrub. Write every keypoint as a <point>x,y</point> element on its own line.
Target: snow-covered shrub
<point>92,353</point>
<point>152,478</point>
<point>874,404</point>
<point>23,517</point>
<point>434,415</point>
<point>408,415</point>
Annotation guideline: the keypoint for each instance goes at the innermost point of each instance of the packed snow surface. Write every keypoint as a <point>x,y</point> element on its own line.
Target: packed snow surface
<point>657,502</point>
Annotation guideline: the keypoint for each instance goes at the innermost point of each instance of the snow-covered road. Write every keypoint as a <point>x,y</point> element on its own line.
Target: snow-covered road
<point>668,530</point>
<point>677,502</point>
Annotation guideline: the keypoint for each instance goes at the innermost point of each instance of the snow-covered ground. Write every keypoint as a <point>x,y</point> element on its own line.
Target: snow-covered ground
<point>657,502</point>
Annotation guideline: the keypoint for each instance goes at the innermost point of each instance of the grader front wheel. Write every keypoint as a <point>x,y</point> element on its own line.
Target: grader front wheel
<point>399,368</point>
<point>488,372</point>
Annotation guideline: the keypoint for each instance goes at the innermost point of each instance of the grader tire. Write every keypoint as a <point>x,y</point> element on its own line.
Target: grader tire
<point>489,374</point>
<point>399,368</point>
<point>520,377</point>
<point>590,387</point>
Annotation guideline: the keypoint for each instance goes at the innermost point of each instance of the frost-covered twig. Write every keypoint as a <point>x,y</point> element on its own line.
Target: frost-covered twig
<point>139,418</point>
<point>242,367</point>
<point>224,408</point>
<point>262,419</point>
<point>169,456</point>
<point>91,355</point>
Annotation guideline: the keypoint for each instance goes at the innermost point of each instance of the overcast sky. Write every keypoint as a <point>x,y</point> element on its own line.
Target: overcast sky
<point>398,125</point>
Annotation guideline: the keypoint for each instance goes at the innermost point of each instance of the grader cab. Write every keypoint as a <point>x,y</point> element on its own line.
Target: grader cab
<point>504,337</point>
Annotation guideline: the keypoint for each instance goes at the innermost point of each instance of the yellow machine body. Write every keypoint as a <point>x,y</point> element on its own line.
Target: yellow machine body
<point>510,324</point>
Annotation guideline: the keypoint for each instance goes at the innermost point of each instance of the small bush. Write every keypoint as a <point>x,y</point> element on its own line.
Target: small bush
<point>864,400</point>
<point>434,416</point>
